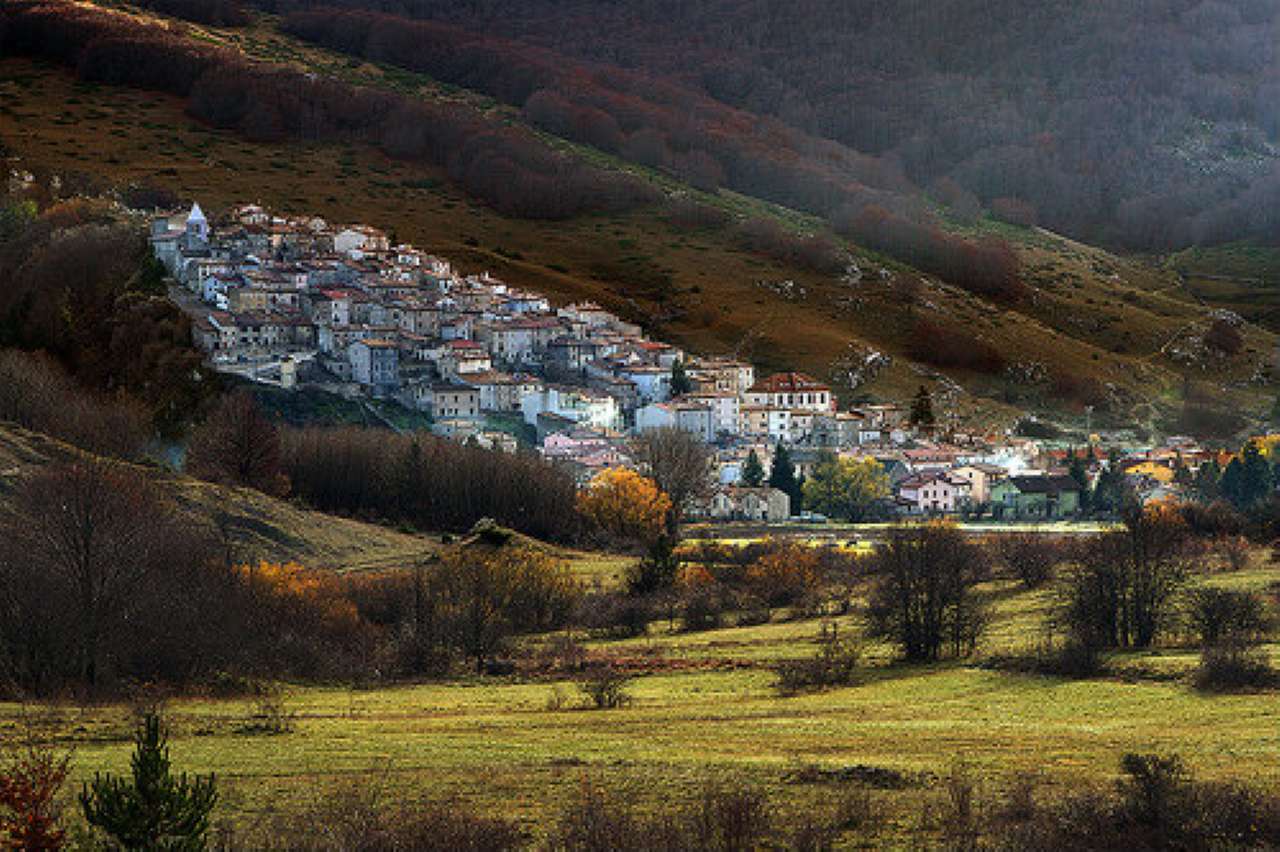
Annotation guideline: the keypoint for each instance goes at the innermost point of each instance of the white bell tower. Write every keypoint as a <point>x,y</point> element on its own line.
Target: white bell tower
<point>197,226</point>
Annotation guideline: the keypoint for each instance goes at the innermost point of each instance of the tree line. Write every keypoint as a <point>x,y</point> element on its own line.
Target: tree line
<point>427,482</point>
<point>659,123</point>
<point>504,166</point>
<point>1143,125</point>
<point>218,13</point>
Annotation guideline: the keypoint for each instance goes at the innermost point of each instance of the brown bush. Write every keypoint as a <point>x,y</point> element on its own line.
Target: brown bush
<point>605,686</point>
<point>1224,337</point>
<point>988,268</point>
<point>31,778</point>
<point>238,445</point>
<point>1233,665</point>
<point>1015,211</point>
<point>949,346</point>
<point>1031,557</point>
<point>36,393</point>
<point>361,818</point>
<point>724,817</point>
<point>835,663</point>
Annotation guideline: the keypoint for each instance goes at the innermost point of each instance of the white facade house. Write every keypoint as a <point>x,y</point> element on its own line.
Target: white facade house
<point>653,384</point>
<point>935,492</point>
<point>375,363</point>
<point>791,391</point>
<point>575,404</point>
<point>655,415</point>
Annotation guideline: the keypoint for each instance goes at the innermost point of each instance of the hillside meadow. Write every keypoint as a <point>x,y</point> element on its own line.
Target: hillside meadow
<point>704,706</point>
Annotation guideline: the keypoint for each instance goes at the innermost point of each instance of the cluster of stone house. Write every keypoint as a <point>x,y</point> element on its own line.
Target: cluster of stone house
<point>346,307</point>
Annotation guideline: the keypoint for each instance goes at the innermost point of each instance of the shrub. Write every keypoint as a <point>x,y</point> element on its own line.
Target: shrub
<point>1153,787</point>
<point>835,663</point>
<point>730,817</point>
<point>784,574</point>
<point>1031,557</point>
<point>1156,805</point>
<point>615,615</point>
<point>1015,211</point>
<point>1219,615</point>
<point>948,346</point>
<point>31,779</point>
<point>961,824</point>
<point>357,818</point>
<point>605,686</point>
<point>270,715</point>
<point>702,608</point>
<point>1234,665</point>
<point>238,445</point>
<point>1224,337</point>
<point>726,817</point>
<point>1069,656</point>
<point>924,599</point>
<point>687,214</point>
<point>38,394</point>
<point>1234,551</point>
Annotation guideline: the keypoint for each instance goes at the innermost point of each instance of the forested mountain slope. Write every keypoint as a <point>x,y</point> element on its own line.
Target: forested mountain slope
<point>997,318</point>
<point>1149,124</point>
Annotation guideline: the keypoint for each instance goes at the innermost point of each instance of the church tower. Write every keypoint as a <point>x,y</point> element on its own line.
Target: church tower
<point>197,227</point>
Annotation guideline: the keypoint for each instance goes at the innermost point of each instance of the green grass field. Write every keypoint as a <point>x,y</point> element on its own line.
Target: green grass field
<point>707,708</point>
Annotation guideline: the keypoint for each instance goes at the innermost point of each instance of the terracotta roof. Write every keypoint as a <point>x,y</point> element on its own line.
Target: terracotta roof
<point>788,383</point>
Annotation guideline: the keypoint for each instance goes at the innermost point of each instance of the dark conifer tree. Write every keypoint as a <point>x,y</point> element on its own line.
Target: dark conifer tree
<point>752,471</point>
<point>680,384</point>
<point>153,809</point>
<point>922,408</point>
<point>782,476</point>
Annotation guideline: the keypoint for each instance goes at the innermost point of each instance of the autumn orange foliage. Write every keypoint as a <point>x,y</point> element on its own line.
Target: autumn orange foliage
<point>625,504</point>
<point>303,592</point>
<point>785,573</point>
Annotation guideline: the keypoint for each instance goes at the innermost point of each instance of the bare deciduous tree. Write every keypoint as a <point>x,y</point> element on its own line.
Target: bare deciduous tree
<point>678,463</point>
<point>86,543</point>
<point>924,600</point>
<point>238,445</point>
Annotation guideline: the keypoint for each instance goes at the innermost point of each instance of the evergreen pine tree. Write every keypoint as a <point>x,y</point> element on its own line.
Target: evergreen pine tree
<point>782,476</point>
<point>680,384</point>
<point>1256,484</point>
<point>1109,491</point>
<point>922,408</point>
<point>752,471</point>
<point>1081,477</point>
<point>1232,483</point>
<point>153,810</point>
<point>1181,473</point>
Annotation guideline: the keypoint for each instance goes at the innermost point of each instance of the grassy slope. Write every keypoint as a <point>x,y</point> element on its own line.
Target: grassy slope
<point>709,709</point>
<point>1093,314</point>
<point>261,527</point>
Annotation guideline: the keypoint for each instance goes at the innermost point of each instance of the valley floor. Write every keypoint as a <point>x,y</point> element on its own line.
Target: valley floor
<point>704,706</point>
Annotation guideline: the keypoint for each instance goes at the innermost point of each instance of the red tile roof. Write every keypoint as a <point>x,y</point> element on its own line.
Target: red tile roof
<point>789,383</point>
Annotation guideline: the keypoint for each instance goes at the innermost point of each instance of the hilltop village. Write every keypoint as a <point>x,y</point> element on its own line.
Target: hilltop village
<point>299,302</point>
